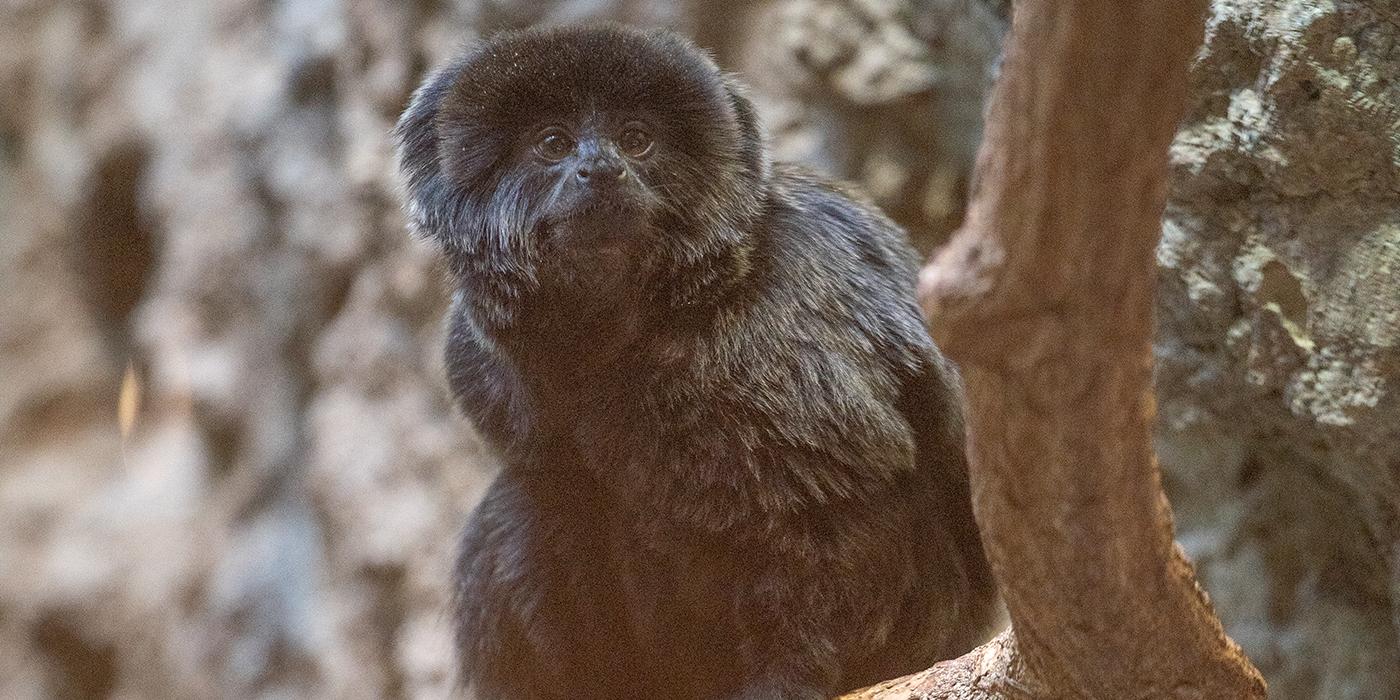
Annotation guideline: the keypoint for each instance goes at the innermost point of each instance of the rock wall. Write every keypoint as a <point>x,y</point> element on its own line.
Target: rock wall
<point>1279,338</point>
<point>228,465</point>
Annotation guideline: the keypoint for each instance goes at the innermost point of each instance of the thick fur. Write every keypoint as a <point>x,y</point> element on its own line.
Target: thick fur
<point>733,462</point>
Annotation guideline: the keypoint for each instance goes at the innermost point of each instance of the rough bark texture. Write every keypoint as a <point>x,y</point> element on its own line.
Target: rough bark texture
<point>204,189</point>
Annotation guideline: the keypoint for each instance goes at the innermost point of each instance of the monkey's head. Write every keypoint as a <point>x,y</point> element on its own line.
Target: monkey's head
<point>590,160</point>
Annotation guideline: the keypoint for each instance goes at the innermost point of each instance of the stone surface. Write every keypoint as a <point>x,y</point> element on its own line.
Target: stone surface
<point>228,464</point>
<point>1279,339</point>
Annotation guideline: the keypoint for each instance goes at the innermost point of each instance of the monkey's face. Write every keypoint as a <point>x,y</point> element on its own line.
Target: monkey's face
<point>582,155</point>
<point>586,177</point>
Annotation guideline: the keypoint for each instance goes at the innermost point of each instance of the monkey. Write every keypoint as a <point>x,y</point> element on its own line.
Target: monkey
<point>732,461</point>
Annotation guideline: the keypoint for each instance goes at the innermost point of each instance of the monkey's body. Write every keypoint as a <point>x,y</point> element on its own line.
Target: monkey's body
<point>733,464</point>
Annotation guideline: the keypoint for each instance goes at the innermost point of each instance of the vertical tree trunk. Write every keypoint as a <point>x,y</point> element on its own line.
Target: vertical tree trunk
<point>1045,300</point>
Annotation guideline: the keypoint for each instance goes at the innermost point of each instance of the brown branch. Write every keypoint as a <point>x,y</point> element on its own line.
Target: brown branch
<point>1045,300</point>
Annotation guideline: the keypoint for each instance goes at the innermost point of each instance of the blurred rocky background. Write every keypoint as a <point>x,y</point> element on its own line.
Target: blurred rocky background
<point>228,466</point>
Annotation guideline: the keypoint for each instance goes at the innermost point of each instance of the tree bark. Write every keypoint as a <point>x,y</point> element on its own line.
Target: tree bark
<point>1044,299</point>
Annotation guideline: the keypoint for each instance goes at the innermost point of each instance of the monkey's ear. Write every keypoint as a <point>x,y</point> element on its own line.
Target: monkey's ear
<point>753,151</point>
<point>428,194</point>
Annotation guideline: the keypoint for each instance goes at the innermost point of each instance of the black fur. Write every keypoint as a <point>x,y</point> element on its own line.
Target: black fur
<point>733,459</point>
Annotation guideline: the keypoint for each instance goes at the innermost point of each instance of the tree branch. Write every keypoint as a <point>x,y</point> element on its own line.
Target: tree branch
<point>1045,301</point>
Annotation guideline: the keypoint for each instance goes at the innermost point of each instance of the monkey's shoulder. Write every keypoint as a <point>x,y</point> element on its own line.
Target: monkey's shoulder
<point>835,274</point>
<point>484,383</point>
<point>819,352</point>
<point>837,223</point>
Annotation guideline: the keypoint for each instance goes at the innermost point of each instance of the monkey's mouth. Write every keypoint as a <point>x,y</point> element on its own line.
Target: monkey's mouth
<point>603,206</point>
<point>602,221</point>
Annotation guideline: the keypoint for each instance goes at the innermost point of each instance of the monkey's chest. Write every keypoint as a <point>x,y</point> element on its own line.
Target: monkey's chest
<point>680,599</point>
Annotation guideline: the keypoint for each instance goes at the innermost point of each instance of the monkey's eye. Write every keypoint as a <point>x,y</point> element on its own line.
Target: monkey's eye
<point>554,144</point>
<point>635,142</point>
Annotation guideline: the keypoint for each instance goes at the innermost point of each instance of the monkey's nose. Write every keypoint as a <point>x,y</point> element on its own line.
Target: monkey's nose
<point>600,172</point>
